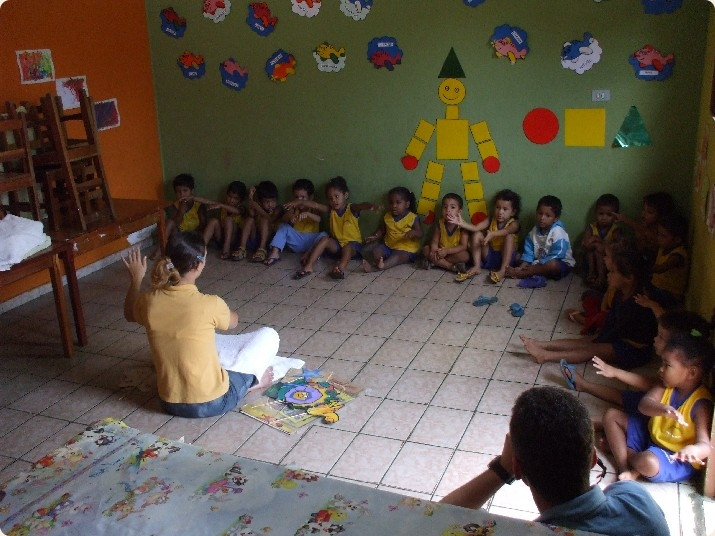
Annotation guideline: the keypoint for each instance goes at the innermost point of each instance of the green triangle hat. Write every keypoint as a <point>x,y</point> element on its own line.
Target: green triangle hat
<point>451,68</point>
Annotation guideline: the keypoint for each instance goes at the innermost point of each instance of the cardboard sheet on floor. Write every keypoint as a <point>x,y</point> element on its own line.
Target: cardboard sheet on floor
<point>585,127</point>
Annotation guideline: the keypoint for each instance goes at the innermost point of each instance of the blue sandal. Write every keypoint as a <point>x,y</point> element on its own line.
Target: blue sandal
<point>567,371</point>
<point>484,300</point>
<point>516,309</point>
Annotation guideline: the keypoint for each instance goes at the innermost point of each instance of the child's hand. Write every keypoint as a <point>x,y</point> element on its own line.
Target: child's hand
<point>303,216</point>
<point>370,239</point>
<point>433,256</point>
<point>251,192</point>
<point>136,264</point>
<point>688,454</point>
<point>674,414</point>
<point>603,368</point>
<point>644,301</point>
<point>290,205</point>
<point>455,219</point>
<point>440,254</point>
<point>488,237</point>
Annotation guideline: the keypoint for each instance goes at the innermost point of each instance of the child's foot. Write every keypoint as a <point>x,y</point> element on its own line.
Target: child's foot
<point>225,255</point>
<point>381,263</point>
<point>337,273</point>
<point>575,316</point>
<point>239,254</point>
<point>265,380</point>
<point>629,475</point>
<point>367,268</point>
<point>532,347</point>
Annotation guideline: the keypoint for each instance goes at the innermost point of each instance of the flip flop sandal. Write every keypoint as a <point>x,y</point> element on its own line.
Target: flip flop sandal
<point>459,267</point>
<point>567,371</point>
<point>301,274</point>
<point>463,276</point>
<point>494,277</point>
<point>516,309</point>
<point>485,300</point>
<point>533,281</point>
<point>259,255</point>
<point>337,273</point>
<point>225,256</point>
<point>239,254</point>
<point>270,261</point>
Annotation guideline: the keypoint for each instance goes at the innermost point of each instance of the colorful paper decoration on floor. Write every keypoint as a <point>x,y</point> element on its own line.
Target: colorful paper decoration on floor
<point>70,90</point>
<point>384,52</point>
<point>356,9</point>
<point>585,127</point>
<point>280,65</point>
<point>217,10</point>
<point>298,400</point>
<point>171,23</point>
<point>330,59</point>
<point>658,7</point>
<point>509,42</point>
<point>633,132</point>
<point>474,3</point>
<point>191,65</point>
<point>540,126</point>
<point>35,66</point>
<point>306,8</point>
<point>581,55</point>
<point>233,76</point>
<point>107,114</point>
<point>260,20</point>
<point>649,64</point>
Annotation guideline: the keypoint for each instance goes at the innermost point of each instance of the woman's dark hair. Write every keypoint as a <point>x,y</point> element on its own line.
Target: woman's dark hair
<point>512,197</point>
<point>405,194</point>
<point>184,252</point>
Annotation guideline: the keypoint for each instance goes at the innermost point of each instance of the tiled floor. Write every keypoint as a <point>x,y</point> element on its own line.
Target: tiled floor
<point>440,376</point>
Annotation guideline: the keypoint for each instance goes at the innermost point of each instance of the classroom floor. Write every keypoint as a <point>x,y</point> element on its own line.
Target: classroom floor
<point>439,375</point>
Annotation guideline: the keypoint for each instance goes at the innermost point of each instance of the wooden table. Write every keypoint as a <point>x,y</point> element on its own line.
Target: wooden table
<point>59,255</point>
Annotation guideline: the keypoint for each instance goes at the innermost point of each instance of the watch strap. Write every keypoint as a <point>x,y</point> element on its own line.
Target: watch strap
<point>496,466</point>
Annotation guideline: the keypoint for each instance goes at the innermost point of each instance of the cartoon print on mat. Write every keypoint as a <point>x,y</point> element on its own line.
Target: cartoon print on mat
<point>171,23</point>
<point>260,20</point>
<point>580,56</point>
<point>452,144</point>
<point>470,529</point>
<point>384,52</point>
<point>650,64</point>
<point>333,517</point>
<point>44,518</point>
<point>154,491</point>
<point>242,527</point>
<point>280,65</point>
<point>220,489</point>
<point>160,450</point>
<point>289,478</point>
<point>357,9</point>
<point>233,76</point>
<point>330,59</point>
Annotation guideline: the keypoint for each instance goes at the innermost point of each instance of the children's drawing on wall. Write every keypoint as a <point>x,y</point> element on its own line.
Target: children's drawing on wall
<point>192,66</point>
<point>633,132</point>
<point>540,126</point>
<point>581,55</point>
<point>384,52</point>
<point>70,90</point>
<point>217,10</point>
<point>650,64</point>
<point>233,76</point>
<point>658,7</point>
<point>107,114</point>
<point>452,144</point>
<point>474,3</point>
<point>280,65</point>
<point>357,9</point>
<point>35,66</point>
<point>509,42</point>
<point>260,20</point>
<point>306,8</point>
<point>171,23</point>
<point>330,59</point>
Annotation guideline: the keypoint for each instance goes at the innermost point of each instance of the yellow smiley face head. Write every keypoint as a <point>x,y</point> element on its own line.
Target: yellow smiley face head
<point>451,91</point>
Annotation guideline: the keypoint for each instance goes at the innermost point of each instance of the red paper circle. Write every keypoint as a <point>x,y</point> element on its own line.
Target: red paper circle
<point>478,217</point>
<point>540,125</point>
<point>491,164</point>
<point>409,162</point>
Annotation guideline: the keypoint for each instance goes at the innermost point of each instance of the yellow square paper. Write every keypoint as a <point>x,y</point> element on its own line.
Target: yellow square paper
<point>434,171</point>
<point>585,127</point>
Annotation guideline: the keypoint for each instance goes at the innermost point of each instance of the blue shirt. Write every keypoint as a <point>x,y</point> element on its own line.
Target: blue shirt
<point>623,508</point>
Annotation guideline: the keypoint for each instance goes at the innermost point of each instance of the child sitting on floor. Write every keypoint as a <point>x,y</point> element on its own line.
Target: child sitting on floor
<point>655,207</point>
<point>401,231</point>
<point>670,271</point>
<point>224,228</point>
<point>597,235</point>
<point>448,247</point>
<point>186,213</point>
<point>259,224</point>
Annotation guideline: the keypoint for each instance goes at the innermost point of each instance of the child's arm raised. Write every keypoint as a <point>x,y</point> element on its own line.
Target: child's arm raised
<point>645,301</point>
<point>641,383</point>
<point>699,451</point>
<point>651,406</point>
<point>459,222</point>
<point>357,208</point>
<point>136,266</point>
<point>306,203</point>
<point>512,228</point>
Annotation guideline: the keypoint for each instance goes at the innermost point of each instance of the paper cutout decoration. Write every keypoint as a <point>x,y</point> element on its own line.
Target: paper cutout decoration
<point>510,42</point>
<point>306,8</point>
<point>70,90</point>
<point>233,76</point>
<point>580,56</point>
<point>217,10</point>
<point>658,7</point>
<point>540,126</point>
<point>384,52</point>
<point>452,143</point>
<point>260,20</point>
<point>171,23</point>
<point>329,58</point>
<point>633,132</point>
<point>473,3</point>
<point>106,113</point>
<point>35,66</point>
<point>356,9</point>
<point>191,65</point>
<point>710,222</point>
<point>649,64</point>
<point>280,65</point>
<point>585,127</point>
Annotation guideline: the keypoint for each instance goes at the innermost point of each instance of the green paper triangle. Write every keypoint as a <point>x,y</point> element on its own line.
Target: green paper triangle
<point>451,68</point>
<point>633,132</point>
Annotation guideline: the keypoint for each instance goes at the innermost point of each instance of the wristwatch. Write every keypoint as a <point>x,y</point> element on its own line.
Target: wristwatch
<point>496,466</point>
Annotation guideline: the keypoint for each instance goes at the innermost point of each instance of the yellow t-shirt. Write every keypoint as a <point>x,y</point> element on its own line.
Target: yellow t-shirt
<point>180,322</point>
<point>447,240</point>
<point>190,221</point>
<point>395,231</point>
<point>609,233</point>
<point>308,225</point>
<point>675,279</point>
<point>345,228</point>
<point>497,243</point>
<point>237,218</point>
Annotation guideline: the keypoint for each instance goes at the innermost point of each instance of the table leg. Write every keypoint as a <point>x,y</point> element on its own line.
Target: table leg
<point>61,306</point>
<point>161,230</point>
<point>73,287</point>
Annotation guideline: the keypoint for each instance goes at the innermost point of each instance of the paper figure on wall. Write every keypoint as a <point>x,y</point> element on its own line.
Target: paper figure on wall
<point>452,144</point>
<point>540,126</point>
<point>107,114</point>
<point>306,8</point>
<point>217,10</point>
<point>649,64</point>
<point>384,52</point>
<point>585,127</point>
<point>280,65</point>
<point>633,132</point>
<point>509,42</point>
<point>233,76</point>
<point>171,23</point>
<point>357,9</point>
<point>474,3</point>
<point>330,59</point>
<point>35,66</point>
<point>260,20</point>
<point>191,65</point>
<point>658,7</point>
<point>580,56</point>
<point>70,90</point>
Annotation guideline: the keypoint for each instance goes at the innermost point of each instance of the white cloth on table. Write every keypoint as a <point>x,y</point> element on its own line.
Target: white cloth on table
<point>20,238</point>
<point>253,353</point>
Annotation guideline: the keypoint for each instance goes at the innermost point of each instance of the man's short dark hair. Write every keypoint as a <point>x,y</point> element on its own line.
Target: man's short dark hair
<point>609,200</point>
<point>266,190</point>
<point>552,437</point>
<point>553,202</point>
<point>304,184</point>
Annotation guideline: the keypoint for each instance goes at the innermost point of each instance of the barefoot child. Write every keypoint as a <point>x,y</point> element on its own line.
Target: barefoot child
<point>259,224</point>
<point>186,213</point>
<point>670,270</point>
<point>225,227</point>
<point>448,247</point>
<point>595,238</point>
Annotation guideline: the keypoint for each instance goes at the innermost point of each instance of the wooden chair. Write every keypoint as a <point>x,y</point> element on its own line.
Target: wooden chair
<point>17,169</point>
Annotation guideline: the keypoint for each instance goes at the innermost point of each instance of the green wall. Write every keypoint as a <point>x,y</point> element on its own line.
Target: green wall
<point>357,122</point>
